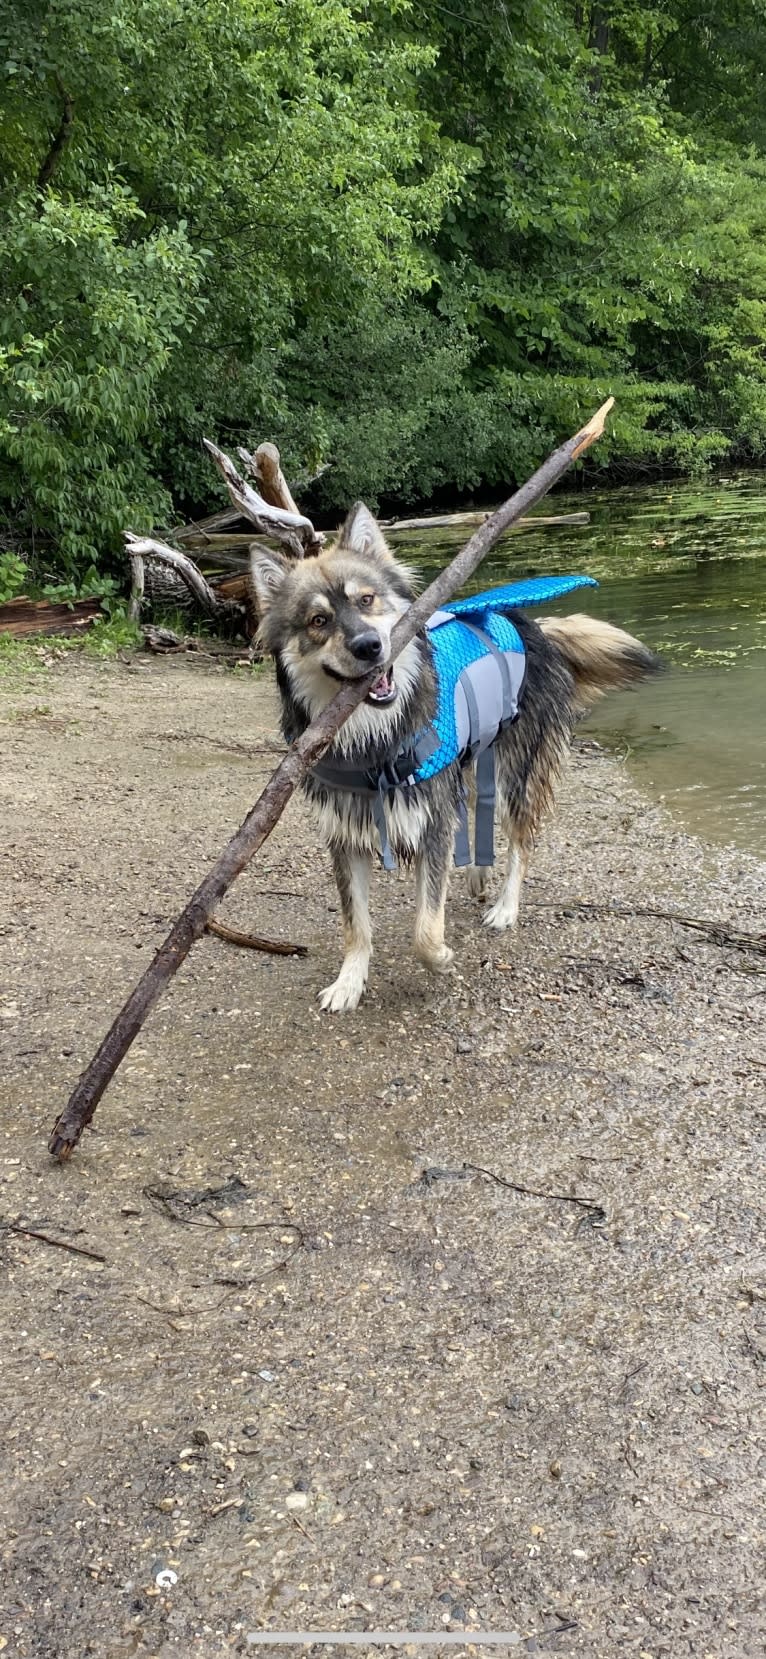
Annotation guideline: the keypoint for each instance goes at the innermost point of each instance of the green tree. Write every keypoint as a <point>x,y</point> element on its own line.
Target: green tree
<point>415,239</point>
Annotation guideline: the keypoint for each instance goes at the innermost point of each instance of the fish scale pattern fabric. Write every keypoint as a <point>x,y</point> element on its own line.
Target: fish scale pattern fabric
<point>534,590</point>
<point>455,636</point>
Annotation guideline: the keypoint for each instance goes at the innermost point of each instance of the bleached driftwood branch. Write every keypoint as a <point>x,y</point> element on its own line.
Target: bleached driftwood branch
<point>265,467</point>
<point>292,529</point>
<point>141,548</point>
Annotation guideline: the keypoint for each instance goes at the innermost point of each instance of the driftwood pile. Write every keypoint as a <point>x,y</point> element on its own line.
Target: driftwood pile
<point>167,577</point>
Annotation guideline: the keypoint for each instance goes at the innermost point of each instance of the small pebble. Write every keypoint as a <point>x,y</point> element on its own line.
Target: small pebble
<point>376,1581</point>
<point>166,1579</point>
<point>296,1500</point>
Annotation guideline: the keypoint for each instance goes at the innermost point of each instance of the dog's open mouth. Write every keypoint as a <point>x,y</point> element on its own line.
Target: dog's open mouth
<point>384,690</point>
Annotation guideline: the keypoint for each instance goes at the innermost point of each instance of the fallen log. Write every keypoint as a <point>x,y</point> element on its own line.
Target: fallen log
<point>204,526</point>
<point>448,520</point>
<point>265,466</point>
<point>23,617</point>
<point>302,755</point>
<point>233,615</point>
<point>214,541</point>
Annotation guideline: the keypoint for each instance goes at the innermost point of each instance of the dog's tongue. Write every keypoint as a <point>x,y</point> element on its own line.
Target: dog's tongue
<point>383,688</point>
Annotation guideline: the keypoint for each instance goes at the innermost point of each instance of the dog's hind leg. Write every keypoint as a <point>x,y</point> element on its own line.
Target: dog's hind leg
<point>352,874</point>
<point>431,877</point>
<point>505,911</point>
<point>476,878</point>
<point>530,755</point>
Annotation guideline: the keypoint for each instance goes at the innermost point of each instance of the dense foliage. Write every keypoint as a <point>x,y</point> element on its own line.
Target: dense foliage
<point>415,240</point>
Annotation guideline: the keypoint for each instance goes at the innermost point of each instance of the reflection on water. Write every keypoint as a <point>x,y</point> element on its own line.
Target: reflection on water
<point>684,567</point>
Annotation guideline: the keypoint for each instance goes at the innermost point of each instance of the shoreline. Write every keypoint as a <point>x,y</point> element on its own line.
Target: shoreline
<point>474,1394</point>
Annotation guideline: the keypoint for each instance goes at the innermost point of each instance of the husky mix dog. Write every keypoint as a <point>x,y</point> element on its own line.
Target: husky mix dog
<point>329,619</point>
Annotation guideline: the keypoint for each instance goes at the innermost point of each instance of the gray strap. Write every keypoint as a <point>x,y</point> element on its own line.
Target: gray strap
<point>462,843</point>
<point>484,848</point>
<point>379,814</point>
<point>474,718</point>
<point>501,658</point>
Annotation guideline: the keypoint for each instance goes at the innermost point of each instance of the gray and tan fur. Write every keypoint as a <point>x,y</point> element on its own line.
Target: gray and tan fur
<point>329,619</point>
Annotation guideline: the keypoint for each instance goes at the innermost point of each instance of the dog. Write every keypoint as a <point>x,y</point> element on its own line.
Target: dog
<point>328,620</point>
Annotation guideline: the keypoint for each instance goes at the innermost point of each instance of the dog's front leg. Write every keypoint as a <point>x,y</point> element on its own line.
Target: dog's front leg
<point>431,876</point>
<point>352,874</point>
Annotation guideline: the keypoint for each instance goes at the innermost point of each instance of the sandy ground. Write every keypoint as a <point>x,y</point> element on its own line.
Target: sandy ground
<point>326,1375</point>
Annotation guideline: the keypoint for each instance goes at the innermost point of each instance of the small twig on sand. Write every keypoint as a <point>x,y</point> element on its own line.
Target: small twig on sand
<point>629,1375</point>
<point>45,1238</point>
<point>228,1503</point>
<point>173,1205</point>
<point>253,941</point>
<point>596,1210</point>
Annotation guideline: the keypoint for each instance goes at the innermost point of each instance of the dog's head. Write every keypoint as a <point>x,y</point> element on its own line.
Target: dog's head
<point>330,619</point>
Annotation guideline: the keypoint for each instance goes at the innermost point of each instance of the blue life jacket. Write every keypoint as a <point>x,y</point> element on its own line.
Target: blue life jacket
<point>480,662</point>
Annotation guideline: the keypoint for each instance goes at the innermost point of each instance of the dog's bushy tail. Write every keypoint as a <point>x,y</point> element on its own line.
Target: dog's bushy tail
<point>600,657</point>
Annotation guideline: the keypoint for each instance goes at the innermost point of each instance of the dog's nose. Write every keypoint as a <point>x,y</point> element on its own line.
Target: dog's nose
<point>366,646</point>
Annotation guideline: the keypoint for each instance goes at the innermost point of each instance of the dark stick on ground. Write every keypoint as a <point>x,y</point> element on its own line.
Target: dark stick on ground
<point>719,933</point>
<point>589,1204</point>
<point>253,941</point>
<point>45,1238</point>
<point>304,753</point>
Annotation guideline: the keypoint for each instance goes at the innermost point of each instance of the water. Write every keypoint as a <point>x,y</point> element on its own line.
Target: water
<point>684,568</point>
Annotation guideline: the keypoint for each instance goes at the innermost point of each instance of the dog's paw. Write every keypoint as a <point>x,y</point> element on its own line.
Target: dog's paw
<point>438,962</point>
<point>501,917</point>
<point>343,996</point>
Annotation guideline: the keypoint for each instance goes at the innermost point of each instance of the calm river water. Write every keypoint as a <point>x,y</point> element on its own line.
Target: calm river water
<point>684,568</point>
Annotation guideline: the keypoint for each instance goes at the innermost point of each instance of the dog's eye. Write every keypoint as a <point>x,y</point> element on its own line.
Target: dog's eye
<point>320,620</point>
<point>365,600</point>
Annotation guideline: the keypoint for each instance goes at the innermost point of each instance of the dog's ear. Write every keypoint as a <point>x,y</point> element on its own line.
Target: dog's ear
<point>361,533</point>
<point>268,572</point>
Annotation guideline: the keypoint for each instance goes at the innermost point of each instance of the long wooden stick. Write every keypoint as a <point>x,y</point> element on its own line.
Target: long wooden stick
<point>261,819</point>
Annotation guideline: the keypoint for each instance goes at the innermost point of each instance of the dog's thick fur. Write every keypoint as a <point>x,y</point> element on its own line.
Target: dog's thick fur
<point>330,619</point>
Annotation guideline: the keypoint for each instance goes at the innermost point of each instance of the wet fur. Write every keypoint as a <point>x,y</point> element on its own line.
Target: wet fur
<point>570,662</point>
